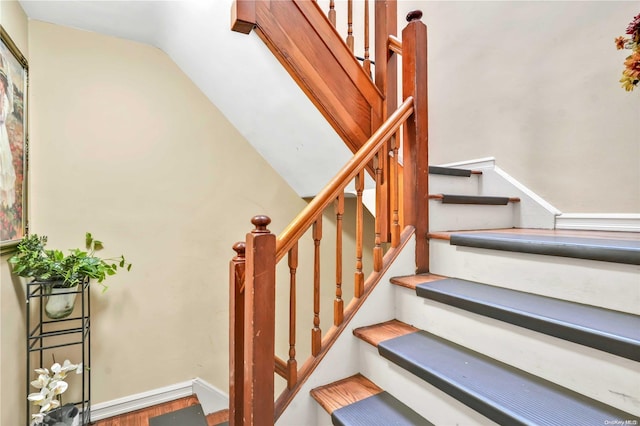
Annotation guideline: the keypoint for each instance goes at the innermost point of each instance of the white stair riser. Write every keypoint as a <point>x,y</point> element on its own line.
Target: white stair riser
<point>460,185</point>
<point>455,217</point>
<point>342,360</point>
<point>609,285</point>
<point>428,401</point>
<point>565,363</point>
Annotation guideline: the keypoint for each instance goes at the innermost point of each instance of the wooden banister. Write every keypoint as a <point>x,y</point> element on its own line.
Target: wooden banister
<point>401,213</point>
<point>307,216</point>
<point>394,45</point>
<point>305,42</point>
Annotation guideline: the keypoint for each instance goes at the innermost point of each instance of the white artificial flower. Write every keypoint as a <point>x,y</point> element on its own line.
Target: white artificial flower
<point>58,387</point>
<point>37,419</point>
<point>52,386</point>
<point>41,382</point>
<point>36,397</point>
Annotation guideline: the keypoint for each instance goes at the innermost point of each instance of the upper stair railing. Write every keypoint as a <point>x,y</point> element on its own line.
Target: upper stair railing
<point>400,191</point>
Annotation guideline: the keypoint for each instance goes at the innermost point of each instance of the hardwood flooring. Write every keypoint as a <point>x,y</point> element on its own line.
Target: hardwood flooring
<point>141,417</point>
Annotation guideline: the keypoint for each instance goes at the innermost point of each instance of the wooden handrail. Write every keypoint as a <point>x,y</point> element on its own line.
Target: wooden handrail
<point>401,205</point>
<point>308,215</point>
<point>394,45</point>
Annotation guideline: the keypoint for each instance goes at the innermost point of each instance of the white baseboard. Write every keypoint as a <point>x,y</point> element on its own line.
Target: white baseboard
<point>624,222</point>
<point>211,399</point>
<point>478,163</point>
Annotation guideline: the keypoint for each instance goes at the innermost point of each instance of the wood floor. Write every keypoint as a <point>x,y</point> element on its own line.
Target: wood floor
<point>141,417</point>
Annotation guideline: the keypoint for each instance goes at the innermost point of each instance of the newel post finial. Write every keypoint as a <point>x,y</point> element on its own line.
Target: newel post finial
<point>414,15</point>
<point>260,222</point>
<point>240,249</point>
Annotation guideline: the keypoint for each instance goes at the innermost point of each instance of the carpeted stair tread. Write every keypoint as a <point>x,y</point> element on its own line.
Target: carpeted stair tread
<point>189,416</point>
<point>473,199</point>
<point>381,409</point>
<point>449,171</point>
<point>610,331</point>
<point>606,250</point>
<point>498,391</point>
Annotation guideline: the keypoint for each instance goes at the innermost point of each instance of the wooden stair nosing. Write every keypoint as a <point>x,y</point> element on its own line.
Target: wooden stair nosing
<point>411,281</point>
<point>341,393</point>
<point>451,171</point>
<point>614,332</point>
<point>374,334</point>
<point>496,390</point>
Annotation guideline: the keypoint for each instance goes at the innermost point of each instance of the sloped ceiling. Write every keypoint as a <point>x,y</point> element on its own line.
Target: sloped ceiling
<point>236,72</point>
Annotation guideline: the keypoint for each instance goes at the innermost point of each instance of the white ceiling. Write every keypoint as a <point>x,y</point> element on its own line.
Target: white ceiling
<point>236,72</point>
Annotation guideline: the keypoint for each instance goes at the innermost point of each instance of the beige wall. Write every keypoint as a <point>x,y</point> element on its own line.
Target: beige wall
<point>12,319</point>
<point>125,146</point>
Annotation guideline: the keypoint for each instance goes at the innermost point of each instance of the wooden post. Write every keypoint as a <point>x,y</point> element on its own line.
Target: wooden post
<point>259,350</point>
<point>292,364</point>
<point>386,79</point>
<point>338,302</point>
<point>316,332</point>
<point>416,136</point>
<point>236,334</point>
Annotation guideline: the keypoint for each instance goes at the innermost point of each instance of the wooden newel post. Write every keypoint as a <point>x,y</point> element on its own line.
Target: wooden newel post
<point>259,318</point>
<point>236,334</point>
<point>416,137</point>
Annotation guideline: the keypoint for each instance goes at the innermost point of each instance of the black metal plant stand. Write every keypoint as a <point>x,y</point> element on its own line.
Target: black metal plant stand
<point>67,337</point>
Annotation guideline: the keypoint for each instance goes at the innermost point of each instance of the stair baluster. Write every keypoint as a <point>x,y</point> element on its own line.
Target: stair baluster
<point>316,333</point>
<point>358,287</point>
<point>332,13</point>
<point>349,39</point>
<point>377,250</point>
<point>236,332</point>
<point>394,187</point>
<point>366,64</point>
<point>338,304</point>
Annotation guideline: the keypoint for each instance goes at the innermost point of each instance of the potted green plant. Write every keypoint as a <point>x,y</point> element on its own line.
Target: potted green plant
<point>51,385</point>
<point>61,274</point>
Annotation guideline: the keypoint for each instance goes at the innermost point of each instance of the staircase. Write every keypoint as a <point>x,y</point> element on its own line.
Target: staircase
<point>502,324</point>
<point>511,327</point>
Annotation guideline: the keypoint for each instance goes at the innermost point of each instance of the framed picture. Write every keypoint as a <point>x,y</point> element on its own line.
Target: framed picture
<point>13,143</point>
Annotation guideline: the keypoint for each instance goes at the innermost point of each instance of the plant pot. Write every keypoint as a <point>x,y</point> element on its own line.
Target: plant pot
<point>67,415</point>
<point>60,301</point>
